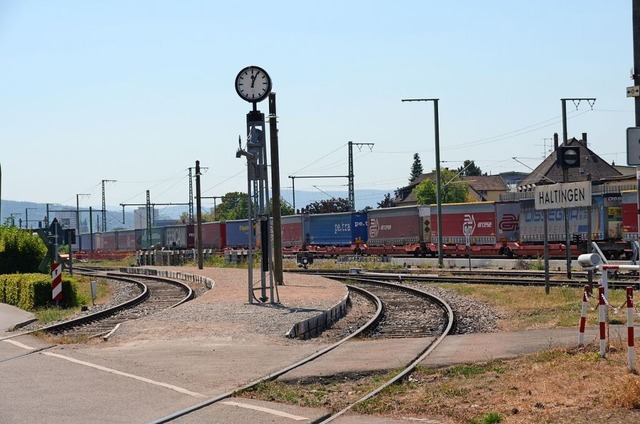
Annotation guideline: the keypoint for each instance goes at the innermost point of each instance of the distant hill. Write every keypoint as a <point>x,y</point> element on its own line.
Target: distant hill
<point>364,198</point>
<point>35,213</point>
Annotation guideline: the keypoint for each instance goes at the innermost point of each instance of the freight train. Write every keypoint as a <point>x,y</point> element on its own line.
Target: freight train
<point>503,228</point>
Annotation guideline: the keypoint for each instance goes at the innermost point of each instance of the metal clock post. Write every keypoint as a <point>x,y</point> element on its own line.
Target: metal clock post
<point>253,85</point>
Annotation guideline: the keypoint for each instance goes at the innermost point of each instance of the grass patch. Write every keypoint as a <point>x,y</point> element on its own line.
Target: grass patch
<point>83,292</point>
<point>490,418</point>
<point>527,308</point>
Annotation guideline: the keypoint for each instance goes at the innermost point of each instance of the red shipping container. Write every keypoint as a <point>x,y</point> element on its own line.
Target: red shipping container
<point>477,221</point>
<point>213,235</point>
<point>629,215</point>
<point>105,241</point>
<point>126,239</point>
<point>292,230</point>
<point>398,226</point>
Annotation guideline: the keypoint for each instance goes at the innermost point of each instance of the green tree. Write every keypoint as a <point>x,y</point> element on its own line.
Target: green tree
<point>328,206</point>
<point>285,208</point>
<point>453,189</point>
<point>234,206</point>
<point>416,168</point>
<point>206,216</point>
<point>387,202</point>
<point>469,169</point>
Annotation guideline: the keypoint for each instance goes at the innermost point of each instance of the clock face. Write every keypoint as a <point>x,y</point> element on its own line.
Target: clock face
<point>253,84</point>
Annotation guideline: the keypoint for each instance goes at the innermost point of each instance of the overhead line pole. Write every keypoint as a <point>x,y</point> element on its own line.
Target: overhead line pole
<point>436,120</point>
<point>104,205</point>
<point>352,191</point>
<point>565,172</point>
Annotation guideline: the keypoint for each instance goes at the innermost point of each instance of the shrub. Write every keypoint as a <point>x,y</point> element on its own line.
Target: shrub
<point>20,251</point>
<point>30,291</point>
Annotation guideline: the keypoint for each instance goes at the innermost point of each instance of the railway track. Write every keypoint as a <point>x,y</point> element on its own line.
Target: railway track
<point>405,313</point>
<point>489,276</point>
<point>387,322</point>
<point>156,294</point>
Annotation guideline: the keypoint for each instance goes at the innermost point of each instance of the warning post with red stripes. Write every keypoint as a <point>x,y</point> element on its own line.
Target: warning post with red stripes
<point>56,281</point>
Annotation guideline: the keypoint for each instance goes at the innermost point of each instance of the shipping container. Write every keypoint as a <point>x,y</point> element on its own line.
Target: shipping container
<point>630,215</point>
<point>238,233</point>
<point>398,226</point>
<point>336,229</point>
<point>106,241</point>
<point>612,215</point>
<point>466,223</point>
<point>508,221</point>
<point>532,222</point>
<point>179,237</point>
<point>85,242</point>
<point>142,238</point>
<point>214,235</point>
<point>126,240</point>
<point>292,227</point>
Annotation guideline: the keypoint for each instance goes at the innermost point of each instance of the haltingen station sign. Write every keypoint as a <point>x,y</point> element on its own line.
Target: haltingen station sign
<point>563,195</point>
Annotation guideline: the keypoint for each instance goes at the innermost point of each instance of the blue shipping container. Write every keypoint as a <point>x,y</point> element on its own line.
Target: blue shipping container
<point>238,233</point>
<point>336,229</point>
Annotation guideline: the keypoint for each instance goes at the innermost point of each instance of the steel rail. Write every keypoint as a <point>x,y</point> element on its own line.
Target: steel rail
<point>109,312</point>
<point>371,323</point>
<point>426,352</point>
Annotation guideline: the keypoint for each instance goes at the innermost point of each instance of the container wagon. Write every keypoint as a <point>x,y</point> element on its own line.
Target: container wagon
<point>214,235</point>
<point>400,230</point>
<point>630,215</point>
<point>292,230</point>
<point>143,235</point>
<point>336,229</point>
<point>126,240</point>
<point>179,236</point>
<point>238,234</point>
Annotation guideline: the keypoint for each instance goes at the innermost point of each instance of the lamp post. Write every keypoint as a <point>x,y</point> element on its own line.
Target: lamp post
<point>438,179</point>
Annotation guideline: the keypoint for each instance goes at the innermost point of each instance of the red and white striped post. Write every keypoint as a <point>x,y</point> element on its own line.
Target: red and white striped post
<point>631,353</point>
<point>56,281</point>
<point>583,315</point>
<point>602,315</point>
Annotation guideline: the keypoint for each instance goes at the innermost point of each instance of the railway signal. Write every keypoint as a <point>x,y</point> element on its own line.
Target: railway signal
<point>569,157</point>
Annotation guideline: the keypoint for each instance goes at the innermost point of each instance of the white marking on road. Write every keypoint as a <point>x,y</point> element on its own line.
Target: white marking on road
<point>124,374</point>
<point>267,410</point>
<point>22,345</point>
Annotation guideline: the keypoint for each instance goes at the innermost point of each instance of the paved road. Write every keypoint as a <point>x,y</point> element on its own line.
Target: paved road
<point>141,381</point>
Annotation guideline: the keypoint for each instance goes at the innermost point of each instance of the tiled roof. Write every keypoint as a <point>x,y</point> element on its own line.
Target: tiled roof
<point>548,172</point>
<point>486,183</point>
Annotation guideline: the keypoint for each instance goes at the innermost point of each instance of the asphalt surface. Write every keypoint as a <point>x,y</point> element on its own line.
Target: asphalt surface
<point>143,380</point>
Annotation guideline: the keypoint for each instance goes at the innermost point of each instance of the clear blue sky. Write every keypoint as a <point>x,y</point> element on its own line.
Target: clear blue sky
<point>137,91</point>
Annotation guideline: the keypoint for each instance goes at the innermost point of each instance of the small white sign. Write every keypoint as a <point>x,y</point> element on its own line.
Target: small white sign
<point>633,91</point>
<point>563,195</point>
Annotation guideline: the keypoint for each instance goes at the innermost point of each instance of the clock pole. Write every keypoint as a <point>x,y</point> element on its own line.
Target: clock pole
<point>253,85</point>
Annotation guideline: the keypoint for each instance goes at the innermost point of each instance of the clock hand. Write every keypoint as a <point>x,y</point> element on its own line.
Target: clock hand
<point>253,79</point>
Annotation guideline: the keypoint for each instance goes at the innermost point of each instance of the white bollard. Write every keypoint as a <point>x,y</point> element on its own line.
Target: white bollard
<point>602,315</point>
<point>631,353</point>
